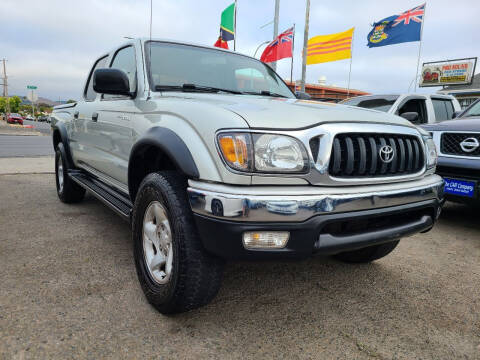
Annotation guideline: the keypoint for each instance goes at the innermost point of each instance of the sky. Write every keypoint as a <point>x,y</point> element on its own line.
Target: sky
<point>53,43</point>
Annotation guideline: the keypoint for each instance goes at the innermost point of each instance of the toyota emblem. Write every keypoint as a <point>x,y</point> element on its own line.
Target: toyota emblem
<point>469,145</point>
<point>386,153</point>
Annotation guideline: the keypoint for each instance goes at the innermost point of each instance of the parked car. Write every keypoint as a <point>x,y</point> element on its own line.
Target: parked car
<point>417,108</point>
<point>458,144</point>
<point>30,117</point>
<point>206,167</point>
<point>43,118</point>
<point>14,118</point>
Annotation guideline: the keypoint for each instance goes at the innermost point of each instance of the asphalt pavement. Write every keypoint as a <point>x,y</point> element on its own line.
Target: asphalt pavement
<point>23,145</point>
<point>69,291</point>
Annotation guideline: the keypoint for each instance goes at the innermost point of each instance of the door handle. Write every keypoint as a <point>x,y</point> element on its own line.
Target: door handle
<point>75,115</point>
<point>94,116</point>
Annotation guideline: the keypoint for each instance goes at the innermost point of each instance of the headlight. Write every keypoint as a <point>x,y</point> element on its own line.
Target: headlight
<point>431,152</point>
<point>266,153</point>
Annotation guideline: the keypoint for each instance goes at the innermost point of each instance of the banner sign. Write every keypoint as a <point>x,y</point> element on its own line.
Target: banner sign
<point>450,72</point>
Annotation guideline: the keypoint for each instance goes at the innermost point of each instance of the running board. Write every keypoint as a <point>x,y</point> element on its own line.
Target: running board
<point>115,200</point>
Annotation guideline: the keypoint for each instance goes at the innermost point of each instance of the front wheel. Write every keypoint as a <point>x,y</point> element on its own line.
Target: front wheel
<point>367,254</point>
<point>68,191</point>
<point>174,270</point>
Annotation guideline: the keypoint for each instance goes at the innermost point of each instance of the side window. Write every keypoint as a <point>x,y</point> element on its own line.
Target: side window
<point>440,109</point>
<point>450,109</point>
<point>90,94</point>
<point>415,105</point>
<point>124,60</point>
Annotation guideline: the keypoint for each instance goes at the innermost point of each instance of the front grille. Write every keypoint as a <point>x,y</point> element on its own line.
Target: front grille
<point>358,155</point>
<point>450,144</point>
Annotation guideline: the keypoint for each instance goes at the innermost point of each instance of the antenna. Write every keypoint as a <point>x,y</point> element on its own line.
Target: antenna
<point>150,46</point>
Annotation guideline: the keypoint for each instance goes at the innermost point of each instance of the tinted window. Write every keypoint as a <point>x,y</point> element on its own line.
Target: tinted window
<point>90,94</point>
<point>176,65</point>
<point>380,103</point>
<point>125,60</point>
<point>450,109</point>
<point>440,109</point>
<point>415,105</point>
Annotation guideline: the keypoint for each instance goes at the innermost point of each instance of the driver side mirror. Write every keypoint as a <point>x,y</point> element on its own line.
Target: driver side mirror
<point>456,113</point>
<point>302,95</point>
<point>111,81</point>
<point>410,116</point>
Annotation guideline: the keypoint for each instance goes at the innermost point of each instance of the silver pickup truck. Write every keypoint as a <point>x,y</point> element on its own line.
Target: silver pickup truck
<point>210,157</point>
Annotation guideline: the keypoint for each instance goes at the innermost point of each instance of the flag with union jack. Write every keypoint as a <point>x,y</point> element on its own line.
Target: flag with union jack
<point>279,48</point>
<point>396,29</point>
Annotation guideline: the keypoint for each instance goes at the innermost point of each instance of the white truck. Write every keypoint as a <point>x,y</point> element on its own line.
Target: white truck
<point>209,156</point>
<point>419,109</point>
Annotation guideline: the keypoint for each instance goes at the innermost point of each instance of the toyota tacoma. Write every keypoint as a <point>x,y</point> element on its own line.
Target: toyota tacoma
<point>210,157</point>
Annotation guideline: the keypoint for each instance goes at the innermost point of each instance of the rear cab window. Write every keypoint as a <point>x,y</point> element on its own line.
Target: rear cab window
<point>380,103</point>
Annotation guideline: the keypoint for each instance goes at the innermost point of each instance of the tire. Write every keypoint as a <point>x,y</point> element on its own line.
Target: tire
<point>367,254</point>
<point>68,191</point>
<point>189,277</point>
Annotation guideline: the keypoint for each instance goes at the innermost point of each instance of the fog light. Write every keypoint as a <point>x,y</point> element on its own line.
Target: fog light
<point>265,239</point>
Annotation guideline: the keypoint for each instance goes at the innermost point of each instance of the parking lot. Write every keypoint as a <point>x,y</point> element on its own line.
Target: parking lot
<point>69,290</point>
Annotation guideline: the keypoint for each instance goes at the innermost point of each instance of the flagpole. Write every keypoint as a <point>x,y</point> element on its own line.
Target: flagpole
<point>305,43</point>
<point>351,59</point>
<point>420,45</point>
<point>293,49</point>
<point>235,28</point>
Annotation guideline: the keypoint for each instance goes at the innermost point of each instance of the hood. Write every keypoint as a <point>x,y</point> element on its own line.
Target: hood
<point>467,124</point>
<point>263,112</point>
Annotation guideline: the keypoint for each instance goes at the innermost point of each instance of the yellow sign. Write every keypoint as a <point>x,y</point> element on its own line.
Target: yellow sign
<point>333,47</point>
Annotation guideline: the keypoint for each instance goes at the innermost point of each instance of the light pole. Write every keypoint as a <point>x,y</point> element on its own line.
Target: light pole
<point>275,28</point>
<point>305,42</point>
<point>259,46</point>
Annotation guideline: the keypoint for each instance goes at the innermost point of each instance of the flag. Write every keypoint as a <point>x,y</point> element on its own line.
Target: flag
<point>279,48</point>
<point>227,23</point>
<point>333,47</point>
<point>221,43</point>
<point>397,29</point>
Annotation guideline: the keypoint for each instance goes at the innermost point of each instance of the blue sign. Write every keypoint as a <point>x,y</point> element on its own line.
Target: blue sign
<point>459,187</point>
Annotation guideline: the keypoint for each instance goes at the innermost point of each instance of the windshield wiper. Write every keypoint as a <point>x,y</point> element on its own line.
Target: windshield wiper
<point>264,93</point>
<point>193,87</point>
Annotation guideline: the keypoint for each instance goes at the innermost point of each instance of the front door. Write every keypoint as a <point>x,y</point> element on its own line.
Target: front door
<point>112,123</point>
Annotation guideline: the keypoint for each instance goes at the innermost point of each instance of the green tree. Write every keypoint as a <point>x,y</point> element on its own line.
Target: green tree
<point>71,101</point>
<point>3,105</point>
<point>14,103</point>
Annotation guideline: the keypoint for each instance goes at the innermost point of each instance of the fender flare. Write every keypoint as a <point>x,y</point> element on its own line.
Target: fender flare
<point>172,145</point>
<point>62,130</point>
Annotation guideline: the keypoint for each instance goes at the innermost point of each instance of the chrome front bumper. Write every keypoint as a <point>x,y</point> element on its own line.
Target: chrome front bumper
<point>299,203</point>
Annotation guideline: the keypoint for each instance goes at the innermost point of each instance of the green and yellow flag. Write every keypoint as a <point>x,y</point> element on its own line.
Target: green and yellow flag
<point>227,23</point>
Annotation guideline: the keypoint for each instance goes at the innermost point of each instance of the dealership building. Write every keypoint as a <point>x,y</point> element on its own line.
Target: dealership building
<point>465,94</point>
<point>328,93</point>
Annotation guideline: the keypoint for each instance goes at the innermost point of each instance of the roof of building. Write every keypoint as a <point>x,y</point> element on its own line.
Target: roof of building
<point>475,85</point>
<point>330,88</point>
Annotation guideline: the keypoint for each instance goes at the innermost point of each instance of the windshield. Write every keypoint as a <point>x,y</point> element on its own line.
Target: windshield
<point>174,65</point>
<point>380,103</point>
<point>15,114</point>
<point>473,111</point>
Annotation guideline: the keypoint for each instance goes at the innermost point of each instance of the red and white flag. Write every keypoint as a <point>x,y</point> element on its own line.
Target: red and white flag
<point>280,48</point>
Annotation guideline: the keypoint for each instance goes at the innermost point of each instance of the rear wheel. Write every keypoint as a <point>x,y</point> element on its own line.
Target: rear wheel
<point>68,191</point>
<point>367,254</point>
<point>174,270</point>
